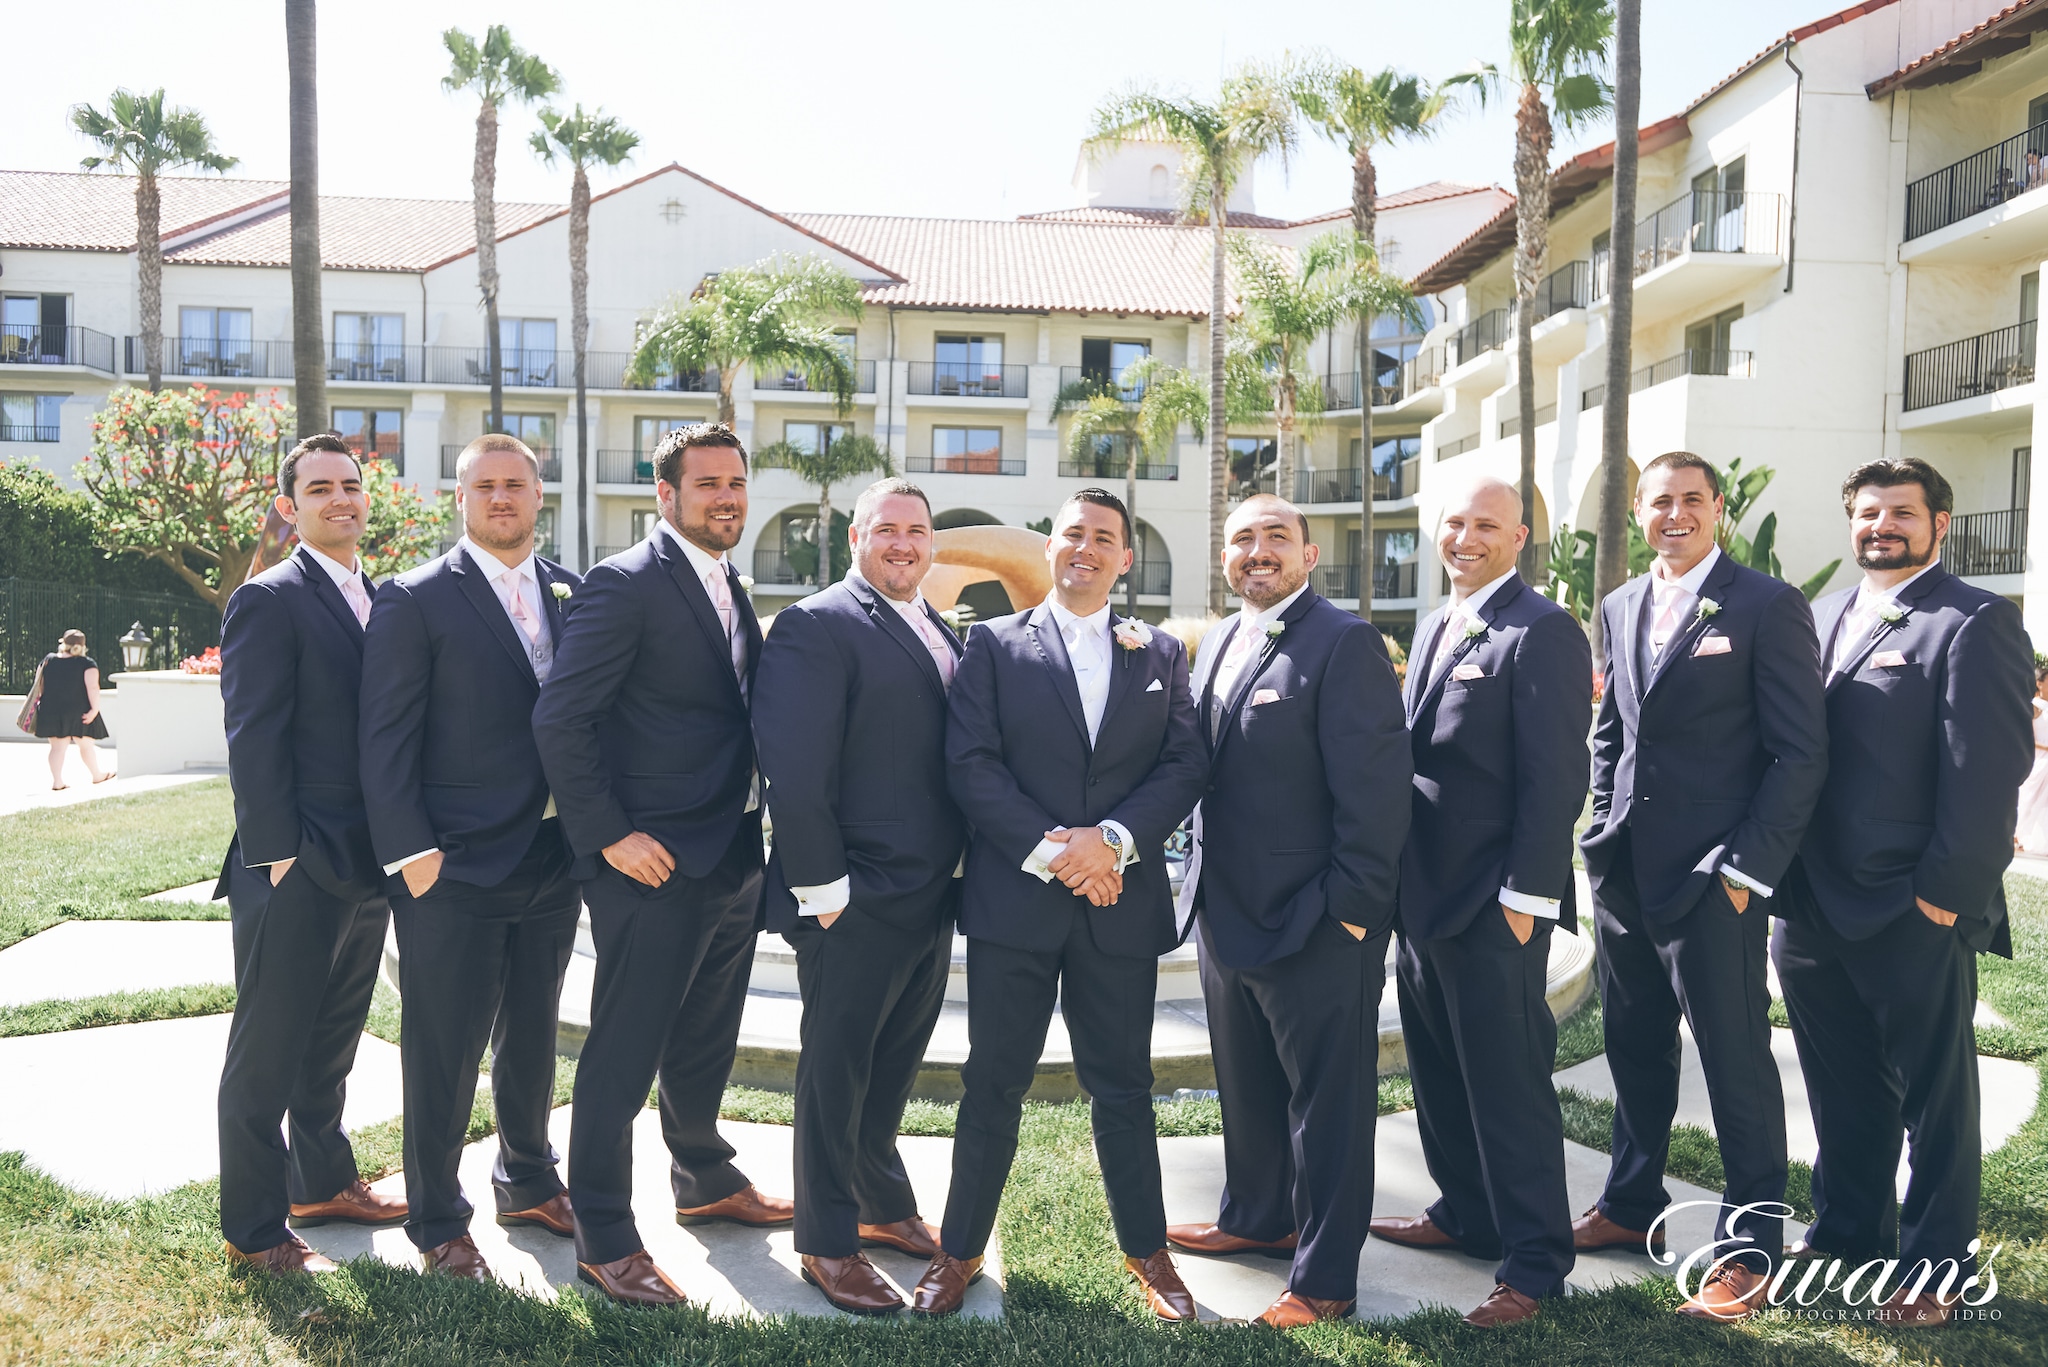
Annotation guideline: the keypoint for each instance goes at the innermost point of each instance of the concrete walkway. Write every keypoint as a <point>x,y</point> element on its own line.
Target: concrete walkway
<point>25,777</point>
<point>77,959</point>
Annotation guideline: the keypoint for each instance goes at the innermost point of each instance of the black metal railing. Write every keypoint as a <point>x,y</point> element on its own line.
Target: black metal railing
<point>1976,365</point>
<point>1329,486</point>
<point>970,463</point>
<point>1112,467</point>
<point>1983,180</point>
<point>214,358</point>
<point>969,380</point>
<point>1425,368</point>
<point>34,614</point>
<point>376,363</point>
<point>625,467</point>
<point>1153,576</point>
<point>1095,381</point>
<point>1986,543</point>
<point>607,552</point>
<point>793,381</point>
<point>1394,581</point>
<point>665,379</point>
<point>550,462</point>
<point>1693,361</point>
<point>1334,581</point>
<point>29,432</point>
<point>1570,286</point>
<point>1511,426</point>
<point>1340,392</point>
<point>1485,333</point>
<point>1388,580</point>
<point>1458,447</point>
<point>1699,221</point>
<point>34,344</point>
<point>771,566</point>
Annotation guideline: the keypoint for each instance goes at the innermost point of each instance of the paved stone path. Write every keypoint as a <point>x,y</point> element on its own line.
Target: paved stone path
<point>25,777</point>
<point>77,959</point>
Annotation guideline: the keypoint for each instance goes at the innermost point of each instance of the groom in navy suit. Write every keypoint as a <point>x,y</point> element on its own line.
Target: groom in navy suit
<point>1500,690</point>
<point>483,904</point>
<point>1073,754</point>
<point>301,879</point>
<point>1898,886</point>
<point>1708,756</point>
<point>1293,876</point>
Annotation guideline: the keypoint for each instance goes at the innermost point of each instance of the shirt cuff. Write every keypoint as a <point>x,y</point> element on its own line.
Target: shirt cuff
<point>1734,875</point>
<point>409,859</point>
<point>1130,846</point>
<point>1549,908</point>
<point>1038,863</point>
<point>824,898</point>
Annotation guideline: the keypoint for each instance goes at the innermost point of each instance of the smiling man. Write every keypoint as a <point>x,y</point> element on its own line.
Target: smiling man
<point>1072,752</point>
<point>1708,755</point>
<point>482,900</point>
<point>301,878</point>
<point>646,737</point>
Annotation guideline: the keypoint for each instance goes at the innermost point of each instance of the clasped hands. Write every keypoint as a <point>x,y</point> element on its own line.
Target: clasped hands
<point>1088,865</point>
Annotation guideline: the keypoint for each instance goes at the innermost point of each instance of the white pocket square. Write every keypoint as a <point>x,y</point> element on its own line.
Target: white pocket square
<point>1154,686</point>
<point>1888,659</point>
<point>1463,672</point>
<point>1264,696</point>
<point>1713,645</point>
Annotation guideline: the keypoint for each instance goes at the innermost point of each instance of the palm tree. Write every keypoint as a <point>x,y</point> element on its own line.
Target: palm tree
<point>583,140</point>
<point>136,133</point>
<point>1558,48</point>
<point>1360,111</point>
<point>309,346</point>
<point>1285,305</point>
<point>777,314</point>
<point>834,462</point>
<point>1610,558</point>
<point>1251,117</point>
<point>1148,428</point>
<point>498,70</point>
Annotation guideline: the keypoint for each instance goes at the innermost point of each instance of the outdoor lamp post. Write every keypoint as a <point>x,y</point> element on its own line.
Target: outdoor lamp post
<point>135,649</point>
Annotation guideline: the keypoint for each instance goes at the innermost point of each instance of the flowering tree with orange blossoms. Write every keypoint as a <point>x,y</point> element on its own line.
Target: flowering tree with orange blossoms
<point>405,528</point>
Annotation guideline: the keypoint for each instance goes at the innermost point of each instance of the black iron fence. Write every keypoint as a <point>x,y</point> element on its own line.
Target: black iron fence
<point>33,615</point>
<point>1388,580</point>
<point>1153,576</point>
<point>1973,366</point>
<point>1485,333</point>
<point>1986,543</point>
<point>1511,425</point>
<point>1983,180</point>
<point>794,381</point>
<point>215,358</point>
<point>34,344</point>
<point>625,467</point>
<point>967,379</point>
<point>1692,361</point>
<point>1112,467</point>
<point>968,463</point>
<point>1699,221</point>
<point>1570,286</point>
<point>1096,381</point>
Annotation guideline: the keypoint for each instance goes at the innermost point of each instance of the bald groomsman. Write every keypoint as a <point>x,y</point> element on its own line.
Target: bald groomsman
<point>1898,887</point>
<point>1708,755</point>
<point>850,714</point>
<point>1500,690</point>
<point>1293,878</point>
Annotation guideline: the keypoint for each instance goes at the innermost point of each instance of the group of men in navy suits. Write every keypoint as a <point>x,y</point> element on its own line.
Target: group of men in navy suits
<point>487,742</point>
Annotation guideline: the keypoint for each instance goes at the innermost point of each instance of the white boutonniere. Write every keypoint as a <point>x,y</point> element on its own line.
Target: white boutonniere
<point>1274,630</point>
<point>1707,608</point>
<point>951,617</point>
<point>562,591</point>
<point>1473,627</point>
<point>1890,613</point>
<point>747,583</point>
<point>1132,634</point>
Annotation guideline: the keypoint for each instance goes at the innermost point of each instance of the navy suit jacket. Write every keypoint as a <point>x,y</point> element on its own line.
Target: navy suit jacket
<point>1925,760</point>
<point>1305,812</point>
<point>1720,754</point>
<point>850,720</point>
<point>1019,763</point>
<point>1500,764</point>
<point>447,720</point>
<point>641,725</point>
<point>291,665</point>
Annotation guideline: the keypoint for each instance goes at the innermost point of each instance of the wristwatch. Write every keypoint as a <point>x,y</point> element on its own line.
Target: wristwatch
<point>1115,843</point>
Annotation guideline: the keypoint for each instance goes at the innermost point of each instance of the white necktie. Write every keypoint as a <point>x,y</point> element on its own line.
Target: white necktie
<point>520,613</point>
<point>358,601</point>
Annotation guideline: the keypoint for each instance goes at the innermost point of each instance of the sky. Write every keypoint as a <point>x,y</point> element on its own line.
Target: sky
<point>919,107</point>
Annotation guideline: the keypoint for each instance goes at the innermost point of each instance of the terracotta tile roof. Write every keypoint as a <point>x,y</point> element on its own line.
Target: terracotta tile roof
<point>363,234</point>
<point>1039,265</point>
<point>1418,194</point>
<point>1965,54</point>
<point>75,211</point>
<point>1142,217</point>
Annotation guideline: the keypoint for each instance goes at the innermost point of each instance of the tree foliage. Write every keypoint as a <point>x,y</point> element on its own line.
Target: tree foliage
<point>834,462</point>
<point>405,526</point>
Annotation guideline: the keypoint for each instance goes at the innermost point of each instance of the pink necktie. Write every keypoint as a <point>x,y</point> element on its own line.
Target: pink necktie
<point>528,623</point>
<point>721,598</point>
<point>941,655</point>
<point>1667,619</point>
<point>358,601</point>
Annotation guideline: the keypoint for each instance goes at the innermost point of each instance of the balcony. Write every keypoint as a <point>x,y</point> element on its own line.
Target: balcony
<point>970,463</point>
<point>18,432</point>
<point>1699,248</point>
<point>1112,467</point>
<point>1698,361</point>
<point>33,344</point>
<point>625,467</point>
<point>1076,379</point>
<point>606,552</point>
<point>1986,543</point>
<point>550,462</point>
<point>793,381</point>
<point>214,358</point>
<point>1344,486</point>
<point>372,363</point>
<point>1390,582</point>
<point>1155,579</point>
<point>1570,286</point>
<point>1490,331</point>
<point>1982,208</point>
<point>1511,426</point>
<point>1973,368</point>
<point>967,380</point>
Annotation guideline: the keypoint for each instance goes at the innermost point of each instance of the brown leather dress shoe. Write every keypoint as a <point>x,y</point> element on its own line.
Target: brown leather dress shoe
<point>944,1284</point>
<point>744,1207</point>
<point>553,1215</point>
<point>354,1204</point>
<point>1505,1306</point>
<point>459,1257</point>
<point>1165,1292</point>
<point>912,1236</point>
<point>1411,1231</point>
<point>1293,1310</point>
<point>1927,1311</point>
<point>1730,1292</point>
<point>852,1284</point>
<point>633,1280</point>
<point>1211,1241</point>
<point>293,1255</point>
<point>1593,1231</point>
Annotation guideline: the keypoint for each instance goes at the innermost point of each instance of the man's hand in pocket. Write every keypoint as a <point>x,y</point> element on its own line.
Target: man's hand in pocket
<point>1520,922</point>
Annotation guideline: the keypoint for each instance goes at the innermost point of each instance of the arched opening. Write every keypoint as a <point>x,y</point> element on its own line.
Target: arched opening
<point>1160,186</point>
<point>963,517</point>
<point>1151,566</point>
<point>985,599</point>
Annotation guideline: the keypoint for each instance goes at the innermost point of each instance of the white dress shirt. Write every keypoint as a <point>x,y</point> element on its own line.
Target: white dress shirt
<point>1089,648</point>
<point>711,573</point>
<point>1861,618</point>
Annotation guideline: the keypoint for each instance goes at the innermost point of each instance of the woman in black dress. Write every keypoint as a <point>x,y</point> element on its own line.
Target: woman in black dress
<point>70,708</point>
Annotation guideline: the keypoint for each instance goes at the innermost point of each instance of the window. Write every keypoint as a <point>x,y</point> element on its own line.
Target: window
<point>648,432</point>
<point>1103,362</point>
<point>968,451</point>
<point>371,431</point>
<point>215,342</point>
<point>526,349</point>
<point>1707,342</point>
<point>643,522</point>
<point>2037,111</point>
<point>1251,466</point>
<point>976,353</point>
<point>537,430</point>
<point>1717,217</point>
<point>2030,296</point>
<point>368,346</point>
<point>1394,325</point>
<point>30,417</point>
<point>2022,475</point>
<point>814,437</point>
<point>32,329</point>
<point>544,530</point>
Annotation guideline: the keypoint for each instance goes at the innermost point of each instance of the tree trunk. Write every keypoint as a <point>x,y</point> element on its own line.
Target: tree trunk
<point>1219,439</point>
<point>483,182</point>
<point>725,404</point>
<point>150,254</point>
<point>825,579</point>
<point>1365,223</point>
<point>309,349</point>
<point>1283,423</point>
<point>1610,550</point>
<point>579,338</point>
<point>1131,506</point>
<point>1532,241</point>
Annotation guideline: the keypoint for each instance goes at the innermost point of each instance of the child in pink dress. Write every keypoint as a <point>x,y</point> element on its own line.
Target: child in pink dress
<point>2032,833</point>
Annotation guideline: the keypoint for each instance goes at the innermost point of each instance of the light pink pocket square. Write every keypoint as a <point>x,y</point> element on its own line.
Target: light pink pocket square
<point>1713,645</point>
<point>1463,672</point>
<point>1264,696</point>
<point>1887,659</point>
